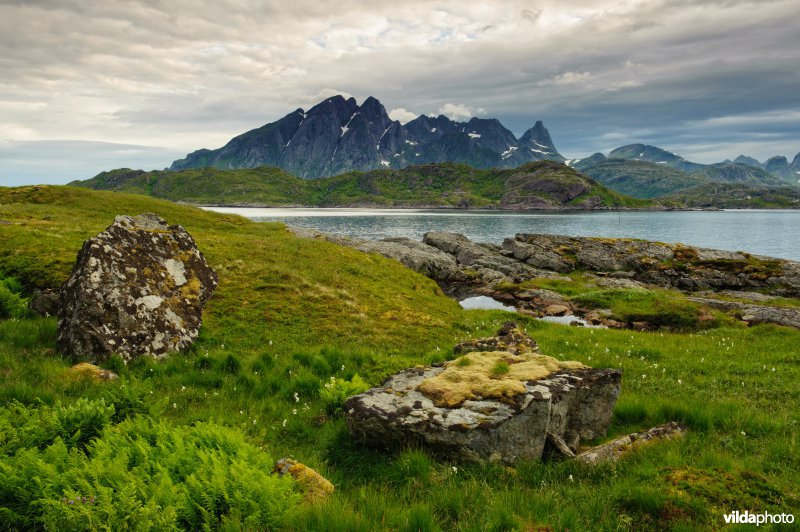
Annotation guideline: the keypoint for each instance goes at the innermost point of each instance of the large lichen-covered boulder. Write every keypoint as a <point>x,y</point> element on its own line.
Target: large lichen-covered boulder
<point>138,288</point>
<point>488,406</point>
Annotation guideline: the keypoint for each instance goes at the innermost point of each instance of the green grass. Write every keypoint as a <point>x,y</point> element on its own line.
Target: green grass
<point>660,308</point>
<point>290,315</point>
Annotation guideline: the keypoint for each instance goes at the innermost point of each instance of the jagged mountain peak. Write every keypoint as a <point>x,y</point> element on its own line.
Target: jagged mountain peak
<point>338,135</point>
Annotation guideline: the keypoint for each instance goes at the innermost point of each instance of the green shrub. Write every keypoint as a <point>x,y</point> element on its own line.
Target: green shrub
<point>335,392</point>
<point>12,304</point>
<point>75,424</point>
<point>148,473</point>
<point>231,364</point>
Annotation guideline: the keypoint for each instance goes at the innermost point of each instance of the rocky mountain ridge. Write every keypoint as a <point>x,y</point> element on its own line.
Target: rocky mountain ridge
<point>644,171</point>
<point>337,135</point>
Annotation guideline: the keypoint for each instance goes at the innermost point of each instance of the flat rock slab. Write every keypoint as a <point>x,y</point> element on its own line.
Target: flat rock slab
<point>137,288</point>
<point>572,404</point>
<point>613,450</point>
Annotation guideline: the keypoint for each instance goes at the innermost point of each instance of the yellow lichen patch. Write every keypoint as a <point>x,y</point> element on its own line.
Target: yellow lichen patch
<point>314,486</point>
<point>96,373</point>
<point>476,376</point>
<point>190,289</point>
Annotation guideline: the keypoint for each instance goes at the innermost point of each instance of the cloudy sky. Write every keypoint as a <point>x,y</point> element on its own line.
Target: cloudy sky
<point>89,86</point>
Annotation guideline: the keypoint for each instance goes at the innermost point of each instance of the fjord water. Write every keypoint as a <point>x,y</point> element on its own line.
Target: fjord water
<point>774,233</point>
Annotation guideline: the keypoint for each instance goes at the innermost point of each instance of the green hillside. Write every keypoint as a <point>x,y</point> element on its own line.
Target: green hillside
<point>188,442</point>
<point>540,185</point>
<point>737,196</point>
<point>641,179</point>
<point>648,180</point>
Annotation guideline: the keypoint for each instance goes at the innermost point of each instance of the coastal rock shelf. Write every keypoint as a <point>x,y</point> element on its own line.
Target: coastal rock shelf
<point>504,272</point>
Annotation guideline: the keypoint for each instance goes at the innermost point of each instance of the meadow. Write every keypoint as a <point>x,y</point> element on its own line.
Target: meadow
<point>295,326</point>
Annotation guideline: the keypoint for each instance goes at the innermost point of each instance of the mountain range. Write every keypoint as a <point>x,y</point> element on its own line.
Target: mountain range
<point>337,136</point>
<point>644,171</point>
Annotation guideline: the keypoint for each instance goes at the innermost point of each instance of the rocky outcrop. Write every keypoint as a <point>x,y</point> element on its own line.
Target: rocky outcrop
<point>615,449</point>
<point>755,314</point>
<point>464,268</point>
<point>138,288</point>
<point>494,406</point>
<point>44,302</point>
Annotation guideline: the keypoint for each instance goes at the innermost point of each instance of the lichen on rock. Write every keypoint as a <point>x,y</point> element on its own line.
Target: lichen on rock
<point>488,406</point>
<point>138,288</point>
<point>479,376</point>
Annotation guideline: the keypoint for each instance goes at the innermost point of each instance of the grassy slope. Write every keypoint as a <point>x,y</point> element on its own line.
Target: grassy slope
<point>291,313</point>
<point>439,185</point>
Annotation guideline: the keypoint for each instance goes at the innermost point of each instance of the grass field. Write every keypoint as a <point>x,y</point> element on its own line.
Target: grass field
<point>290,315</point>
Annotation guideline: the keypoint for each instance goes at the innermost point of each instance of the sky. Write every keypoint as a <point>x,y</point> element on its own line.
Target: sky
<point>91,86</point>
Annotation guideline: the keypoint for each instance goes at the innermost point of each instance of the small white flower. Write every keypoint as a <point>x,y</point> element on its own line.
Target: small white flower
<point>294,411</point>
<point>680,381</point>
<point>284,422</point>
<point>174,405</point>
<point>254,422</point>
<point>743,433</point>
<point>455,469</point>
<point>571,479</point>
<point>241,412</point>
<point>270,342</point>
<point>773,369</point>
<point>342,367</point>
<point>183,388</point>
<point>296,398</point>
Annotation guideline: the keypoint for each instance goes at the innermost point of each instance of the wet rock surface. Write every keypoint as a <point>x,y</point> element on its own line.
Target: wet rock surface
<point>138,288</point>
<point>569,404</point>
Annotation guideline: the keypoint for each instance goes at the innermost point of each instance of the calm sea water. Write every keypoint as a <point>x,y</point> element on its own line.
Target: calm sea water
<point>774,233</point>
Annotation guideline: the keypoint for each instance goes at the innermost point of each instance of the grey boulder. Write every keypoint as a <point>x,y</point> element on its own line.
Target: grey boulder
<point>138,288</point>
<point>560,409</point>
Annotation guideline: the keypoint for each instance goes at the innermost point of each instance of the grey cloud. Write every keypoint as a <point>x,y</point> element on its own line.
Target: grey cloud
<point>186,75</point>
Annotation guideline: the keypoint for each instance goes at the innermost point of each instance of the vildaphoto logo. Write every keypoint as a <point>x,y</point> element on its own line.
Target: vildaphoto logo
<point>764,518</point>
